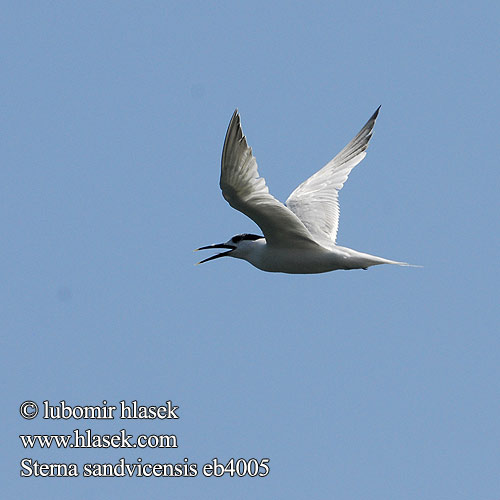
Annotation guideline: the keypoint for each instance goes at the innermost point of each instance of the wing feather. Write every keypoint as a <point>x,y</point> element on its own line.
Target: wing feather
<point>315,201</point>
<point>244,189</point>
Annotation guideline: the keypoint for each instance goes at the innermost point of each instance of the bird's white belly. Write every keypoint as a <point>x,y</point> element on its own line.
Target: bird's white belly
<point>299,261</point>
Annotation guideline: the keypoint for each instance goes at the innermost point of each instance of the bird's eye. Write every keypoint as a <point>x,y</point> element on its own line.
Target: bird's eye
<point>235,239</point>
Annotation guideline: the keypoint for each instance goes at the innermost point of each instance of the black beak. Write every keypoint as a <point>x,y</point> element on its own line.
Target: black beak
<point>219,245</point>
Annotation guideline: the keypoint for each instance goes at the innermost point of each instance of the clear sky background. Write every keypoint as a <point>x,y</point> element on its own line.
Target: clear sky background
<point>379,384</point>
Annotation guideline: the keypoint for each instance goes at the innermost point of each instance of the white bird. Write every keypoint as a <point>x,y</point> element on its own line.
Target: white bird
<point>299,237</point>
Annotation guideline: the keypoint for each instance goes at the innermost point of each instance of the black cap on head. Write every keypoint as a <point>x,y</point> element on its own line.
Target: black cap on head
<point>245,236</point>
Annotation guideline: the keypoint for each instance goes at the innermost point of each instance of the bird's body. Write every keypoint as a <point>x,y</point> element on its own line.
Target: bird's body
<point>304,260</point>
<point>299,238</point>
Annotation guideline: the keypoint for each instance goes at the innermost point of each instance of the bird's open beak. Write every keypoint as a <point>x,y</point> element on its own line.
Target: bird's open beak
<point>219,245</point>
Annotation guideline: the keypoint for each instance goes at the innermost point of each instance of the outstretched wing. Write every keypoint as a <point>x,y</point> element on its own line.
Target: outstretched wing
<point>246,191</point>
<point>315,201</point>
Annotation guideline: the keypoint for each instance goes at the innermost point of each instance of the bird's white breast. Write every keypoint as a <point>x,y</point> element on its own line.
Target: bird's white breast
<point>296,261</point>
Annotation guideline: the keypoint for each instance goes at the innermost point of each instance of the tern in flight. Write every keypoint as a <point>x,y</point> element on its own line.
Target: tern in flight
<point>299,236</point>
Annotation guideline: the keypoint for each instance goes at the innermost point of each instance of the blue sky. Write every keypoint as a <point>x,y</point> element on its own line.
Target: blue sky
<point>379,384</point>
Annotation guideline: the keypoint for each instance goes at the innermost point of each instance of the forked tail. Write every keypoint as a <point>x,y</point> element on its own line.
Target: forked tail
<point>397,263</point>
<point>372,260</point>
